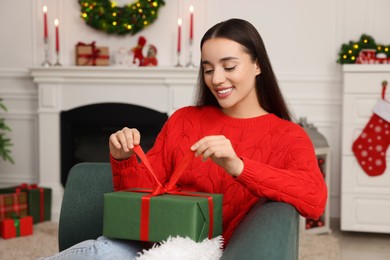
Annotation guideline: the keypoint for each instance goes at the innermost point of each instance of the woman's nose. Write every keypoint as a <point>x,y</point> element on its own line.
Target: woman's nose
<point>218,77</point>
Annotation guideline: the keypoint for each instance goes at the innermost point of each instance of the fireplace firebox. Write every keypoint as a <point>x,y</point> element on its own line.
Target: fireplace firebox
<point>85,131</point>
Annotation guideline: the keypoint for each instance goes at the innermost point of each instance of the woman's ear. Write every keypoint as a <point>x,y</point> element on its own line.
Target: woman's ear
<point>258,69</point>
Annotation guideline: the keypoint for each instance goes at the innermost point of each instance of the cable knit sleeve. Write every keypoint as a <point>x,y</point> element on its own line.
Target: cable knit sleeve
<point>132,174</point>
<point>294,178</point>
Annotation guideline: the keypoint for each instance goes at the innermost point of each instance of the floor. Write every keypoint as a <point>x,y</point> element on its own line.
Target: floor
<point>362,246</point>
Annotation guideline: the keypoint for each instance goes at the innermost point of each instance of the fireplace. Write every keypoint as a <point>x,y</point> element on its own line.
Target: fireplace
<point>64,91</point>
<point>85,131</point>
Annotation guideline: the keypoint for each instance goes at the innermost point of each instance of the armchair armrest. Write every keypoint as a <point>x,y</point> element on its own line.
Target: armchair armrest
<point>81,216</point>
<point>269,231</point>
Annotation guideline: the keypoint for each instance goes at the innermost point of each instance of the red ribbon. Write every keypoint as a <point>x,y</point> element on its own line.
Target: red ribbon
<point>93,56</point>
<point>25,186</point>
<point>169,188</point>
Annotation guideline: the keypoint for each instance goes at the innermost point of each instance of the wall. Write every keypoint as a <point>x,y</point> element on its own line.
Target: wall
<point>303,38</point>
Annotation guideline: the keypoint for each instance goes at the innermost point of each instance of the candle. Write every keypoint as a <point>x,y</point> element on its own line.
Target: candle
<point>45,22</point>
<point>191,23</point>
<point>179,35</point>
<point>57,35</point>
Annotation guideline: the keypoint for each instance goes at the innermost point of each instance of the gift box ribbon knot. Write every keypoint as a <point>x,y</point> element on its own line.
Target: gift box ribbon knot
<point>169,188</point>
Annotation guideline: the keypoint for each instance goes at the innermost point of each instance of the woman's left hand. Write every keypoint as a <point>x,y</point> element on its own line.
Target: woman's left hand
<point>220,150</point>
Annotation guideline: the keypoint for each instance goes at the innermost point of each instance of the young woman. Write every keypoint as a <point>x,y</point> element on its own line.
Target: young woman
<point>244,143</point>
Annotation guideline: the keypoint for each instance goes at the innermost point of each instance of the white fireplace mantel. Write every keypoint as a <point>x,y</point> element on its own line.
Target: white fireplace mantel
<point>64,88</point>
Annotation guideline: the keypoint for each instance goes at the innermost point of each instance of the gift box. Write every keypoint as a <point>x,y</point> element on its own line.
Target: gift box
<point>39,201</point>
<point>154,215</point>
<point>13,203</point>
<point>91,55</point>
<point>15,227</point>
<point>167,215</point>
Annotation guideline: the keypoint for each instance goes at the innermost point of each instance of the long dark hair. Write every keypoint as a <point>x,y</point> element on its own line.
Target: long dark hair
<point>267,88</point>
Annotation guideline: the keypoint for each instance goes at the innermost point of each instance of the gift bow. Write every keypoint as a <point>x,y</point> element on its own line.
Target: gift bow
<point>169,188</point>
<point>25,186</point>
<point>171,185</point>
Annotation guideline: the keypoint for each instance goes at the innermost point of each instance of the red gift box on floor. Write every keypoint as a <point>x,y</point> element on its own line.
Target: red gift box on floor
<point>13,203</point>
<point>15,227</point>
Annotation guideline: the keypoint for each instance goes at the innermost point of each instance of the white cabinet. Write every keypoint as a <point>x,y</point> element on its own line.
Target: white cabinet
<point>365,200</point>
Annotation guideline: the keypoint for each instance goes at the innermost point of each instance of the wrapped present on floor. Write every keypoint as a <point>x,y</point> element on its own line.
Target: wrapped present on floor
<point>146,215</point>
<point>16,227</point>
<point>91,55</point>
<point>11,203</point>
<point>39,201</point>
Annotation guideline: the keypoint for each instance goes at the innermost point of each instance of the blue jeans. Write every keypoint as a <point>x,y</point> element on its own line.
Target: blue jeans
<point>101,249</point>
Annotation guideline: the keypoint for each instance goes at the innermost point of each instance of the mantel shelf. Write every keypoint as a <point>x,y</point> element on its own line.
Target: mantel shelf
<point>74,73</point>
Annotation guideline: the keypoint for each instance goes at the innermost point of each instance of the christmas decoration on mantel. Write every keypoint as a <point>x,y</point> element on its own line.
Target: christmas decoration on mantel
<point>106,16</point>
<point>364,51</point>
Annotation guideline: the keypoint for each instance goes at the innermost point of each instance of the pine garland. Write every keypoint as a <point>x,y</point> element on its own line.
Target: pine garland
<point>349,52</point>
<point>104,15</point>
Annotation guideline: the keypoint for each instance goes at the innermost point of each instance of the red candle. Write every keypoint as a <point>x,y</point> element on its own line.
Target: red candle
<point>57,35</point>
<point>191,22</point>
<point>45,22</point>
<point>179,36</point>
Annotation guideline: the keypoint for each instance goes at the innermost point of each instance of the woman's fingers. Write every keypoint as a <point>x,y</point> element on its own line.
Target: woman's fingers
<point>220,150</point>
<point>213,146</point>
<point>122,142</point>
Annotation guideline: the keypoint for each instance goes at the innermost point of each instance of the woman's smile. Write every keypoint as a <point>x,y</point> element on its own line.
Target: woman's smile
<point>224,92</point>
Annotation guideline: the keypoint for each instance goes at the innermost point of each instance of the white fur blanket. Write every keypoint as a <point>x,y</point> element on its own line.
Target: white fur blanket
<point>179,248</point>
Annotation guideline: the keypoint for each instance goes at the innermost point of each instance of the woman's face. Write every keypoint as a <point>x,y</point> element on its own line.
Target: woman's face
<point>230,74</point>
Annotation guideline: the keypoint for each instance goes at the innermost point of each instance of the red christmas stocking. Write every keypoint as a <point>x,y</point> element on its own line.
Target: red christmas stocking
<point>371,146</point>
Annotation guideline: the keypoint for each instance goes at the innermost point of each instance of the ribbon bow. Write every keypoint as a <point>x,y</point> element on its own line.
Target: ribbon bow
<point>25,186</point>
<point>170,187</point>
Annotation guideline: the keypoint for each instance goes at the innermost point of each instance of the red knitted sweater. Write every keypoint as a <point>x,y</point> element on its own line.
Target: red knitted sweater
<point>279,163</point>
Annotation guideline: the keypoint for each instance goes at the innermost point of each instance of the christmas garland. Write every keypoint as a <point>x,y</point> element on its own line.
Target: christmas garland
<point>350,52</point>
<point>104,15</point>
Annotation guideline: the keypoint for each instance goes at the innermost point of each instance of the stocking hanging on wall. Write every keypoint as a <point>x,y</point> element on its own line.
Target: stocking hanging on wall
<point>371,146</point>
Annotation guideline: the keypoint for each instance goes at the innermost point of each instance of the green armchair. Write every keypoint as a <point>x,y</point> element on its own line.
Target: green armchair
<point>269,231</point>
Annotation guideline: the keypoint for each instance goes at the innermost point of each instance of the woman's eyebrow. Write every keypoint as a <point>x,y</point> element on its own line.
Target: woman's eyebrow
<point>204,62</point>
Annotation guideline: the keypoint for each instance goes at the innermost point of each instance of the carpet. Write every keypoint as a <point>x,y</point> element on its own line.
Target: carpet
<point>44,243</point>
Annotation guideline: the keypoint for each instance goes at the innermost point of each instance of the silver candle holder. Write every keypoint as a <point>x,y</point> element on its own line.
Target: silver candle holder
<point>190,64</point>
<point>46,62</point>
<point>57,59</point>
<point>178,65</point>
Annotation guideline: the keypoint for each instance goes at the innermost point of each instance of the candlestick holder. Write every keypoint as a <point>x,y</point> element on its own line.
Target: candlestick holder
<point>57,59</point>
<point>178,60</point>
<point>190,64</point>
<point>46,62</point>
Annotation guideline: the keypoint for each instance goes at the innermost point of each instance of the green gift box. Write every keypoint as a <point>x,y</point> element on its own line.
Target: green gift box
<point>39,204</point>
<point>169,215</point>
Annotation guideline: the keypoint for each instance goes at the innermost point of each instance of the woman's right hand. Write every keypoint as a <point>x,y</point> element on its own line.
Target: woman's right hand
<point>122,142</point>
